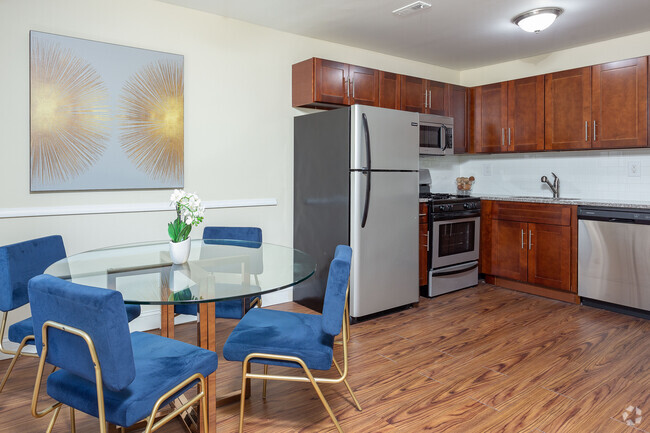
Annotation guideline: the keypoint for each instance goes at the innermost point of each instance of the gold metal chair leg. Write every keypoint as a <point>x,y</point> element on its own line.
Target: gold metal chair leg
<point>266,371</point>
<point>13,361</point>
<point>73,427</point>
<point>243,395</point>
<point>322,398</point>
<point>347,385</point>
<point>53,420</point>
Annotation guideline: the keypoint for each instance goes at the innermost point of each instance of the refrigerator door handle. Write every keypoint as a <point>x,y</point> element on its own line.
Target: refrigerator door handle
<point>367,171</point>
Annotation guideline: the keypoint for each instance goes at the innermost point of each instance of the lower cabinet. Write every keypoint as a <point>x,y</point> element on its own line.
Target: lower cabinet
<point>534,253</point>
<point>531,247</point>
<point>424,243</point>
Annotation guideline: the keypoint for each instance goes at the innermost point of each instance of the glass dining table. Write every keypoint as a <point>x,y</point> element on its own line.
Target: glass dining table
<point>216,270</point>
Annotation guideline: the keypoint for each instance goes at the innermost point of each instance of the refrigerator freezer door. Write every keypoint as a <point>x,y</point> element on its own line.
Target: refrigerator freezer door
<point>385,252</point>
<point>394,138</point>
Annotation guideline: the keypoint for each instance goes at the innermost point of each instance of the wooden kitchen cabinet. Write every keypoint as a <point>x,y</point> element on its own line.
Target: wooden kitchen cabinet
<point>424,244</point>
<point>422,96</point>
<point>457,98</point>
<point>509,116</point>
<point>320,83</point>
<point>600,107</point>
<point>389,90</point>
<point>531,247</point>
<point>619,93</point>
<point>490,115</point>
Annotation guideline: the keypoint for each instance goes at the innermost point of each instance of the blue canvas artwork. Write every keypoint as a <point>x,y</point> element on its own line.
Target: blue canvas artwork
<point>104,116</point>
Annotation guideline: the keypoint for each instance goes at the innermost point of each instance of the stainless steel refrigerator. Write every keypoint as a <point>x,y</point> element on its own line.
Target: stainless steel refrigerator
<point>356,183</point>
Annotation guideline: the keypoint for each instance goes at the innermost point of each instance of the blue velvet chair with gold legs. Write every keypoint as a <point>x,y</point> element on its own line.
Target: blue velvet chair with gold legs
<point>305,341</point>
<point>18,263</point>
<point>235,308</point>
<point>105,371</point>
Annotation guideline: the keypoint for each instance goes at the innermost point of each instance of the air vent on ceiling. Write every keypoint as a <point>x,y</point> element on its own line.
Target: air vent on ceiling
<point>412,8</point>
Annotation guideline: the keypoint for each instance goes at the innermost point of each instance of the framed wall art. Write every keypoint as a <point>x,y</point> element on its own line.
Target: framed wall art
<point>104,116</point>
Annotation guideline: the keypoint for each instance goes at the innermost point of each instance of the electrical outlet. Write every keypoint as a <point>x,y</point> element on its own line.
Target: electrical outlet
<point>634,169</point>
<point>487,170</point>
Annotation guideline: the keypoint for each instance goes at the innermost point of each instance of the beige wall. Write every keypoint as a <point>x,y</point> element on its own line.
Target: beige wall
<point>238,115</point>
<point>607,51</point>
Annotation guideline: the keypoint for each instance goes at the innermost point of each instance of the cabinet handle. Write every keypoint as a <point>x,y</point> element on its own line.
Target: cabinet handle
<point>594,130</point>
<point>422,214</point>
<point>503,136</point>
<point>352,82</point>
<point>530,239</point>
<point>586,130</point>
<point>508,137</point>
<point>425,99</point>
<point>430,100</point>
<point>427,240</point>
<point>522,239</point>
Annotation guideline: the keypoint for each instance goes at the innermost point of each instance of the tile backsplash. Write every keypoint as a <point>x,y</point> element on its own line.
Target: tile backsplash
<point>615,174</point>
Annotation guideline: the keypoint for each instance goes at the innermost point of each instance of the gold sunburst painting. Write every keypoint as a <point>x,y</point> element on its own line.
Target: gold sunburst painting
<point>104,116</point>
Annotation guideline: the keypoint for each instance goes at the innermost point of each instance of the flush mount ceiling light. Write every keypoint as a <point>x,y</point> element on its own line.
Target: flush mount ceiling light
<point>412,8</point>
<point>536,20</point>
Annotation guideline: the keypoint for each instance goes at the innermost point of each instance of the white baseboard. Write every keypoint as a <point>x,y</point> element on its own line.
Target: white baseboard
<point>125,208</point>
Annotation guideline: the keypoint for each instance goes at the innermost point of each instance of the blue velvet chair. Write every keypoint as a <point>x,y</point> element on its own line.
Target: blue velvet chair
<point>288,339</point>
<point>235,308</point>
<point>104,371</point>
<point>18,263</point>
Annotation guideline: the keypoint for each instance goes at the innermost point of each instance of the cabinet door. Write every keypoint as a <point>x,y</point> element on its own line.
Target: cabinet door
<point>509,254</point>
<point>490,118</point>
<point>331,84</point>
<point>457,108</point>
<point>549,255</point>
<point>620,104</point>
<point>412,93</point>
<point>567,109</point>
<point>436,99</point>
<point>389,90</point>
<point>424,244</point>
<point>364,86</point>
<point>526,114</point>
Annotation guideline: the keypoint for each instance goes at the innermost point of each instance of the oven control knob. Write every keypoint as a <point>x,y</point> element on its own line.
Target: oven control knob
<point>469,205</point>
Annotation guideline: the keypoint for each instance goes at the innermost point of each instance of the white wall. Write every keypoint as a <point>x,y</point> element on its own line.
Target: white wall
<point>238,116</point>
<point>625,47</point>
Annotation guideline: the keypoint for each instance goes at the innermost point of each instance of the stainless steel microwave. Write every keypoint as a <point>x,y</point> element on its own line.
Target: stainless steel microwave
<point>436,135</point>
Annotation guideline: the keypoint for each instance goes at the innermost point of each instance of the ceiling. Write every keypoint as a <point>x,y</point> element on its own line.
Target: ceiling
<point>456,34</point>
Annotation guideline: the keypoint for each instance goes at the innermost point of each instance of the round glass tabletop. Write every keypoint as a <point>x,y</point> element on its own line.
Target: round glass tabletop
<point>216,270</point>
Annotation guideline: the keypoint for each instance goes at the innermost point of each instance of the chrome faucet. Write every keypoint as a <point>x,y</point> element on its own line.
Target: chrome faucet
<point>555,187</point>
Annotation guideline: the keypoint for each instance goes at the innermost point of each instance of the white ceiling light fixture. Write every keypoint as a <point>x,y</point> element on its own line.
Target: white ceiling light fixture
<point>536,20</point>
<point>418,6</point>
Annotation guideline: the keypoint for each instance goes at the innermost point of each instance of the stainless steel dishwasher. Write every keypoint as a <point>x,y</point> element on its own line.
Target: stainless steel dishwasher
<point>614,256</point>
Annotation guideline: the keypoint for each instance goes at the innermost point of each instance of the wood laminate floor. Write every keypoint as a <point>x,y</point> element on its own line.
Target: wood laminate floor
<point>484,359</point>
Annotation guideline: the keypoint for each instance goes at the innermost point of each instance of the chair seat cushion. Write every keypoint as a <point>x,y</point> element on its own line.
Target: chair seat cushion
<point>230,309</point>
<point>160,364</point>
<point>20,330</point>
<point>281,333</point>
<point>132,311</point>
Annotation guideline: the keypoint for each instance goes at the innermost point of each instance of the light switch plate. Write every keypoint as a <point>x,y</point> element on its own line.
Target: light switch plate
<point>634,169</point>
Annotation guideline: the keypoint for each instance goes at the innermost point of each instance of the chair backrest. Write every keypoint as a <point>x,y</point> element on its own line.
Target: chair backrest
<point>98,312</point>
<point>335,292</point>
<point>252,237</point>
<point>22,261</point>
<point>252,234</point>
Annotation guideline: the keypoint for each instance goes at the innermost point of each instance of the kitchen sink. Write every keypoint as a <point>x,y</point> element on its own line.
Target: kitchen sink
<point>537,197</point>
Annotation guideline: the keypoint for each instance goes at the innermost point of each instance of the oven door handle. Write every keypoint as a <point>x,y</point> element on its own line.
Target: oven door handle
<point>456,269</point>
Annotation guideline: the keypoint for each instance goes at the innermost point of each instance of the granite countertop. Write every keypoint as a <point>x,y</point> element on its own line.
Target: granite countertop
<point>570,201</point>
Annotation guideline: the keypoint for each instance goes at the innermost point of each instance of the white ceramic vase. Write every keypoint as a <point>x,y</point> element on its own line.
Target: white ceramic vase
<point>180,251</point>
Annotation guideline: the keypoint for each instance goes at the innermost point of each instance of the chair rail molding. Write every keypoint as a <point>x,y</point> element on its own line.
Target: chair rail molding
<point>125,208</point>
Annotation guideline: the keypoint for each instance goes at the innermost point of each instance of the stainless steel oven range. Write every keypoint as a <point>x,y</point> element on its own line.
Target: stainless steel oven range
<point>454,230</point>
